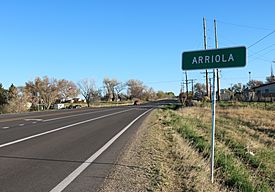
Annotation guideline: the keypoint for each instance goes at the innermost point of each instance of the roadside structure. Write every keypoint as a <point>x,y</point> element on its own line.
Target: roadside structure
<point>265,91</point>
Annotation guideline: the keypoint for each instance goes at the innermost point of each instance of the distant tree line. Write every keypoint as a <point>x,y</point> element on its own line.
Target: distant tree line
<point>48,91</point>
<point>236,91</point>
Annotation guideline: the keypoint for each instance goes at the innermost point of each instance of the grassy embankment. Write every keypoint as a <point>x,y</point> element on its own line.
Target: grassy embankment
<point>245,147</point>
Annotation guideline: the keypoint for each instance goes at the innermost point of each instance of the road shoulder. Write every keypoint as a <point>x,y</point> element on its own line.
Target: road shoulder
<point>157,159</point>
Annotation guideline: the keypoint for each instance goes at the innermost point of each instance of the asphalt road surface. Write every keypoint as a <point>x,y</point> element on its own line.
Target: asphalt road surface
<point>64,150</point>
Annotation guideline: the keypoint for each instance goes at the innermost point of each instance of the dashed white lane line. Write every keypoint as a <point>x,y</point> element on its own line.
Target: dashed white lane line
<point>60,128</point>
<point>34,122</point>
<point>33,119</point>
<point>21,124</point>
<point>69,116</point>
<point>69,179</point>
<point>5,127</point>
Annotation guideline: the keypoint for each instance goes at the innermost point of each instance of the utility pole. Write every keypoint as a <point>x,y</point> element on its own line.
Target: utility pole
<point>207,81</point>
<point>217,70</point>
<point>186,84</point>
<point>192,81</point>
<point>182,86</point>
<point>205,47</point>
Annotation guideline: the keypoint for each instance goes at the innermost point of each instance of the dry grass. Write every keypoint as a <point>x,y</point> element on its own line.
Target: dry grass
<point>239,132</point>
<point>192,168</point>
<point>171,152</point>
<point>159,159</point>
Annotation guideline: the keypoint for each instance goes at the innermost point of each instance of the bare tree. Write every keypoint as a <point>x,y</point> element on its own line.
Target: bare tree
<point>135,88</point>
<point>149,94</point>
<point>45,90</point>
<point>237,88</point>
<point>87,89</point>
<point>67,89</point>
<point>109,85</point>
<point>253,83</point>
<point>31,93</point>
<point>200,88</point>
<point>119,88</point>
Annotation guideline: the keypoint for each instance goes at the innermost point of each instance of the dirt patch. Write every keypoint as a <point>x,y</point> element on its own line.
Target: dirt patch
<point>158,159</point>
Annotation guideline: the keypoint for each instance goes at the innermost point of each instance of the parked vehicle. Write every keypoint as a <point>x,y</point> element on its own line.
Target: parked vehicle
<point>77,106</point>
<point>59,106</point>
<point>74,107</point>
<point>136,102</point>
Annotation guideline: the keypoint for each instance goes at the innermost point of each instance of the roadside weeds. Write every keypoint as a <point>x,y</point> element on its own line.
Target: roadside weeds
<point>158,159</point>
<point>171,150</point>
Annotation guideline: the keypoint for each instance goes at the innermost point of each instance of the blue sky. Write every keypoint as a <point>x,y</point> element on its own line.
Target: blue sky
<point>137,39</point>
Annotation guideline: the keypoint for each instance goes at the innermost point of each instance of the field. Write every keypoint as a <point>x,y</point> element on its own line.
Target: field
<point>245,147</point>
<point>171,151</point>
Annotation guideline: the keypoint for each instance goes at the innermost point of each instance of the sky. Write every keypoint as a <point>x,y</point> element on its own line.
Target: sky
<point>137,39</point>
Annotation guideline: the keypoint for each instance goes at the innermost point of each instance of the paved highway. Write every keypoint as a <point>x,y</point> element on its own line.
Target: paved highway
<point>64,150</point>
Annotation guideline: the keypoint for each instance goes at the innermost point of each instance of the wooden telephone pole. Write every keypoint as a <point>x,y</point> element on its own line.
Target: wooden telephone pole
<point>205,47</point>
<point>217,70</point>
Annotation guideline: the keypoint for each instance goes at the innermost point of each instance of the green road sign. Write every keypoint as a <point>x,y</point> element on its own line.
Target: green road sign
<point>214,58</point>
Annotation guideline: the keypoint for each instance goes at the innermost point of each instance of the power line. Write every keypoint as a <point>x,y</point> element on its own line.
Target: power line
<point>252,27</point>
<point>262,56</point>
<point>261,39</point>
<point>256,53</point>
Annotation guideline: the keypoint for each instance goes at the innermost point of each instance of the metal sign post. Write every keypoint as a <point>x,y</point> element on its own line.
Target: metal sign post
<point>214,59</point>
<point>213,126</point>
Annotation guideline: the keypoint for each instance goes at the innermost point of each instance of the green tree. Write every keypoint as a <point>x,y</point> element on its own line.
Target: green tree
<point>170,94</point>
<point>3,95</point>
<point>18,100</point>
<point>12,92</point>
<point>160,94</point>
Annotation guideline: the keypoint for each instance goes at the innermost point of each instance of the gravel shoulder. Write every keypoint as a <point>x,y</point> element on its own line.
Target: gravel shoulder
<point>158,159</point>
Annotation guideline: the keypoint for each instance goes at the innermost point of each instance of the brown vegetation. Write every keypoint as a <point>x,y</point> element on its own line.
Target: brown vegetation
<point>171,152</point>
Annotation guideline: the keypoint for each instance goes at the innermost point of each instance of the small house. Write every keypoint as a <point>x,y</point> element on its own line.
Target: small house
<point>265,91</point>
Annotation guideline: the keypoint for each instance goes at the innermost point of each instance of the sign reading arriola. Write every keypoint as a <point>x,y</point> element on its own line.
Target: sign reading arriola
<point>214,58</point>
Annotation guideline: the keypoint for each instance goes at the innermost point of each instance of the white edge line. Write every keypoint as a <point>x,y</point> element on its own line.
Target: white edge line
<point>69,179</point>
<point>58,129</point>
